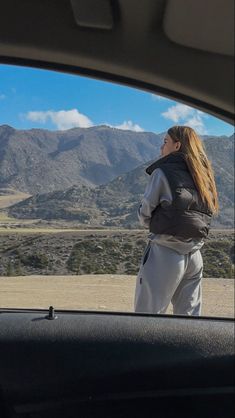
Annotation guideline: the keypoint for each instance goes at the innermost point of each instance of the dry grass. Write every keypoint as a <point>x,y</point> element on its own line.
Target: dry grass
<point>64,228</point>
<point>11,199</point>
<point>6,220</point>
<point>100,292</point>
<point>28,230</point>
<point>53,230</point>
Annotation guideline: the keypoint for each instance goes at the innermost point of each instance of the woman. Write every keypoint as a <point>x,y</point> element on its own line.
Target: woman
<point>178,204</point>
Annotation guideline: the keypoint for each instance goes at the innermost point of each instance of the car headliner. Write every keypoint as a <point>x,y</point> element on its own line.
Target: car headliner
<point>182,49</point>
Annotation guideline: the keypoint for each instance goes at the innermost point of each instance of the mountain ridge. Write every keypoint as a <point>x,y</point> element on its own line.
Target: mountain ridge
<point>89,156</point>
<point>94,175</point>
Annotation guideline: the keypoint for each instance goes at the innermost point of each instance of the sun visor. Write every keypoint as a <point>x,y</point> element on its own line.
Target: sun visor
<point>205,25</point>
<point>96,14</point>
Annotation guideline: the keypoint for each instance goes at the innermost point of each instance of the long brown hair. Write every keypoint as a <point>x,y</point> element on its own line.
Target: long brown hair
<point>198,164</point>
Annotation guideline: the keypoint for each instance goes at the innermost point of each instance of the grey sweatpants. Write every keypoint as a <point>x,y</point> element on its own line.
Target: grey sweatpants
<point>166,276</point>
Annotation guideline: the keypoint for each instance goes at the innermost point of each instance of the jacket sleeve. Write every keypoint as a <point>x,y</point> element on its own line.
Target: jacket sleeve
<point>157,192</point>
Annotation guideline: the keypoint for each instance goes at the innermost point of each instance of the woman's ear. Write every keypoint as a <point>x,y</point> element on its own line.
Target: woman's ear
<point>178,145</point>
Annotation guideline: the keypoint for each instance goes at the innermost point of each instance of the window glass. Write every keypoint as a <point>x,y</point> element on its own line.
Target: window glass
<point>73,155</point>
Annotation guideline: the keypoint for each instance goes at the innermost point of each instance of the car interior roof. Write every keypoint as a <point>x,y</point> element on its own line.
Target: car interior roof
<point>102,364</point>
<point>181,49</point>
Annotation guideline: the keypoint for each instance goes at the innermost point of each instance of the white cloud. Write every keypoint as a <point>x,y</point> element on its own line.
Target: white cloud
<point>187,116</point>
<point>62,119</point>
<point>177,112</point>
<point>196,123</point>
<point>66,119</point>
<point>2,96</point>
<point>157,98</point>
<point>129,126</point>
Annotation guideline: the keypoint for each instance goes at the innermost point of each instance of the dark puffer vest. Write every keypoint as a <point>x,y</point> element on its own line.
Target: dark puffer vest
<point>187,216</point>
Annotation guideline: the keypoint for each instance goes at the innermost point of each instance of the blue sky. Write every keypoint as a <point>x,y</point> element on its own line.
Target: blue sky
<point>31,98</point>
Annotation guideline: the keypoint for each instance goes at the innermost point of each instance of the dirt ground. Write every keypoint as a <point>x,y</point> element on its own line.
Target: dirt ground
<point>100,292</point>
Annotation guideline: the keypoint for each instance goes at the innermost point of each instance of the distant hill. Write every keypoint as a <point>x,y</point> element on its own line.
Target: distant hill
<point>116,203</point>
<point>40,161</point>
<point>123,157</point>
<point>221,153</point>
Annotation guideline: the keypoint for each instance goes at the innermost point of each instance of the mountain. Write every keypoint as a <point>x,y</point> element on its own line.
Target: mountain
<point>116,203</point>
<point>40,161</point>
<point>80,159</point>
<point>221,152</point>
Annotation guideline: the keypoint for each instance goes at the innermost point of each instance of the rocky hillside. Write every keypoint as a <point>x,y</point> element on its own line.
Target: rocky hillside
<point>40,161</point>
<point>114,204</point>
<point>87,157</point>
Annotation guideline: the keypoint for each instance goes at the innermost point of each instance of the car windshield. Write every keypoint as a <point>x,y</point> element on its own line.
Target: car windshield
<point>76,203</point>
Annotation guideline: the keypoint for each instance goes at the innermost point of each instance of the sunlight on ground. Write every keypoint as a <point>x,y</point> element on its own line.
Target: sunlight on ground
<point>11,199</point>
<point>100,292</point>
